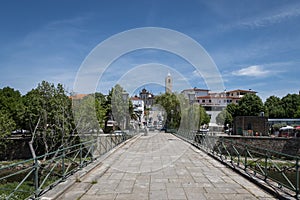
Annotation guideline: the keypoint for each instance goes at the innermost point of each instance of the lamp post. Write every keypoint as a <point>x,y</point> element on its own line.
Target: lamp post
<point>172,112</point>
<point>191,96</point>
<point>125,100</point>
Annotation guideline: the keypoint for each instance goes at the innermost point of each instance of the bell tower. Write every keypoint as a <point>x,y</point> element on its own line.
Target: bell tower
<point>168,83</point>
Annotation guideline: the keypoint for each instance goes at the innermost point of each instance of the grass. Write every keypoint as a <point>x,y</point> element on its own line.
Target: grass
<point>23,192</point>
<point>94,182</point>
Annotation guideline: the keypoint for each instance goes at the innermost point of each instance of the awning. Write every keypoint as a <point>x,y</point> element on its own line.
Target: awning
<point>287,128</point>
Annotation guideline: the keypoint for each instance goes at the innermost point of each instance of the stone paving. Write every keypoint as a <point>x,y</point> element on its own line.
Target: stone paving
<point>161,166</point>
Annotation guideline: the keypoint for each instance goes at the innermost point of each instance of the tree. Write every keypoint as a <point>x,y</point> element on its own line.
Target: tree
<point>224,117</point>
<point>232,109</point>
<point>171,103</point>
<point>290,104</point>
<point>180,113</point>
<point>200,117</point>
<point>7,125</point>
<point>85,114</point>
<point>273,107</point>
<point>48,115</point>
<point>101,108</point>
<point>12,105</point>
<point>117,108</point>
<point>250,105</point>
<point>297,113</point>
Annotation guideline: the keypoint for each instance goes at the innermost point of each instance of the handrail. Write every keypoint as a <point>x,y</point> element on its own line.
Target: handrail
<point>31,178</point>
<point>278,169</point>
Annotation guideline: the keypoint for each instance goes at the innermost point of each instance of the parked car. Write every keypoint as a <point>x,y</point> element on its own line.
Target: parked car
<point>119,132</point>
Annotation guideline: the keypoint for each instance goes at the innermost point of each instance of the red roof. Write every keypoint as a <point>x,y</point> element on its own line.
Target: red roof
<point>78,96</point>
<point>135,98</point>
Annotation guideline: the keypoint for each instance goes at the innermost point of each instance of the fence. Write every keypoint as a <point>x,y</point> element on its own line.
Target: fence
<point>29,179</point>
<point>277,169</point>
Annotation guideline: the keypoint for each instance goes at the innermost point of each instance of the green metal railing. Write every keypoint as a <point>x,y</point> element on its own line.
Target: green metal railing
<point>29,179</point>
<point>277,169</point>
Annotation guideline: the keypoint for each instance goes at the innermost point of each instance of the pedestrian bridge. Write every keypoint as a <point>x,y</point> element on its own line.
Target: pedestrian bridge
<point>154,166</point>
<point>160,166</point>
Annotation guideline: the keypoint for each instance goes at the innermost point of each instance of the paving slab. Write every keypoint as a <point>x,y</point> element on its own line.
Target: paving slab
<point>162,166</point>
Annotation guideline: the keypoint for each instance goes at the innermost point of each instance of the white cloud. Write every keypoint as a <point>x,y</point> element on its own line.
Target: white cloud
<point>275,17</point>
<point>255,70</point>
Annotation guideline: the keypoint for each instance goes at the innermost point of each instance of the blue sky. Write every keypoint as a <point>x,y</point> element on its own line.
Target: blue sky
<point>255,44</point>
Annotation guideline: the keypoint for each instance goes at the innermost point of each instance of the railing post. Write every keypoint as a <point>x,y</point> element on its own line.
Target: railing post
<point>266,165</point>
<point>80,157</point>
<point>231,159</point>
<point>106,143</point>
<point>36,177</point>
<point>297,178</point>
<point>63,164</point>
<point>246,154</point>
<point>92,151</point>
<point>110,142</point>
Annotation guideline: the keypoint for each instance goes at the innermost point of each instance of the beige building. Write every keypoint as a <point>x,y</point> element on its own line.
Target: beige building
<point>214,103</point>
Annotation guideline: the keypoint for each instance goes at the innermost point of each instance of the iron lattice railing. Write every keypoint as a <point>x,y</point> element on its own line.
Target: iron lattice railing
<point>29,179</point>
<point>275,168</point>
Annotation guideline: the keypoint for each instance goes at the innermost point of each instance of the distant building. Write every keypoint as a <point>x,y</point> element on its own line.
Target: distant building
<point>168,83</point>
<point>198,92</point>
<point>214,103</point>
<point>147,97</point>
<point>138,107</point>
<point>78,96</point>
<point>284,121</point>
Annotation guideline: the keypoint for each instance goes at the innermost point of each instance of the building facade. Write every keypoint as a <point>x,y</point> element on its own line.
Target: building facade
<point>138,107</point>
<point>147,97</point>
<point>212,102</point>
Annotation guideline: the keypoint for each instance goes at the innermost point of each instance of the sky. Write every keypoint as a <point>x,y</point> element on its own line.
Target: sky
<point>254,44</point>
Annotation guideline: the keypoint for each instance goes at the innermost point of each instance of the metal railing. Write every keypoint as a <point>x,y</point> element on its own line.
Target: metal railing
<point>277,169</point>
<point>29,179</point>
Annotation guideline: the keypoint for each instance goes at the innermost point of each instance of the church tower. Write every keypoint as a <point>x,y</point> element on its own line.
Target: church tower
<point>168,83</point>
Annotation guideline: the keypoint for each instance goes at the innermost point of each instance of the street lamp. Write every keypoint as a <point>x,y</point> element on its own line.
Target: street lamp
<point>191,96</point>
<point>172,112</point>
<point>125,100</point>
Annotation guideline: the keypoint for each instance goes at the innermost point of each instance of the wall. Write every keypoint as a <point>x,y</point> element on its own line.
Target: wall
<point>289,146</point>
<point>249,125</point>
<point>16,149</point>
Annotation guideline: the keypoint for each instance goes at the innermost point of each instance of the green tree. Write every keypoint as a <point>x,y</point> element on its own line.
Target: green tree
<point>48,115</point>
<point>101,108</point>
<point>290,104</point>
<point>171,104</point>
<point>7,125</point>
<point>297,113</point>
<point>224,117</point>
<point>200,117</point>
<point>117,108</point>
<point>179,112</point>
<point>273,107</point>
<point>11,103</point>
<point>250,105</point>
<point>85,114</point>
<point>232,109</point>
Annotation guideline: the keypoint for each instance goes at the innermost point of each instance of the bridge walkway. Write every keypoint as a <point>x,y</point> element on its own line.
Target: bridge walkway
<point>161,166</point>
